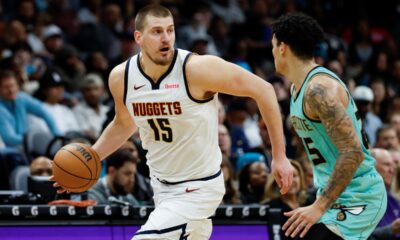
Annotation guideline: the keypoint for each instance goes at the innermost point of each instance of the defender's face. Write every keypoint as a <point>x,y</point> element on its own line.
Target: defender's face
<point>157,39</point>
<point>276,54</point>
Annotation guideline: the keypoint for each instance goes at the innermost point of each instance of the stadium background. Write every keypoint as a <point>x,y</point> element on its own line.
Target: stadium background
<point>57,49</point>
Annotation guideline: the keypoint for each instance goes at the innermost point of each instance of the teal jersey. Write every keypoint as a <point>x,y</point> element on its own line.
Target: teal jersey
<point>365,192</point>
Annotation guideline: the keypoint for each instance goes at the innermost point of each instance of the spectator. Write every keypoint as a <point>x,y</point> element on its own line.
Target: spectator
<point>386,138</point>
<point>389,226</point>
<point>363,96</point>
<point>221,113</point>
<point>52,88</point>
<point>53,42</point>
<point>71,68</point>
<point>224,140</point>
<point>250,125</point>
<point>253,173</point>
<point>295,198</point>
<point>14,108</point>
<point>236,116</point>
<point>142,190</point>
<point>119,181</point>
<point>91,113</point>
<point>380,102</point>
<point>394,122</point>
<point>232,195</point>
<point>228,10</point>
<point>395,189</point>
<point>41,166</point>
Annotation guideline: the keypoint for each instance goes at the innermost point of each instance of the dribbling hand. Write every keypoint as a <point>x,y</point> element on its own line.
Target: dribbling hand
<point>56,185</point>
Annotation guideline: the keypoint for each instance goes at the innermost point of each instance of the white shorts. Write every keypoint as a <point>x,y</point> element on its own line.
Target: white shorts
<point>182,210</point>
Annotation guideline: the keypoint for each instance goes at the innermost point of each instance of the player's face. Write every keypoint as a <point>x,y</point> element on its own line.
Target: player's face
<point>276,54</point>
<point>9,89</point>
<point>157,39</point>
<point>124,179</point>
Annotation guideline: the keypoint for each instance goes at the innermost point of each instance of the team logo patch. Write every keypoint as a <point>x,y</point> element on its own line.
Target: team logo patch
<point>354,210</point>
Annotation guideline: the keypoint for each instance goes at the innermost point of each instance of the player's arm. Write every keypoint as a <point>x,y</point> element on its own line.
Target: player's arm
<point>327,100</point>
<point>209,74</point>
<point>122,126</point>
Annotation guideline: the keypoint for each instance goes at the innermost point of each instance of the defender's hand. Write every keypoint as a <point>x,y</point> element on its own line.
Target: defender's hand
<point>301,220</point>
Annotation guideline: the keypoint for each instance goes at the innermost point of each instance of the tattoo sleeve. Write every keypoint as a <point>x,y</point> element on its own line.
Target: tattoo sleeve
<point>340,128</point>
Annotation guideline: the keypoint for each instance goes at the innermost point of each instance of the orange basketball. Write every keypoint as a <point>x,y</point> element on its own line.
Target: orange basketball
<point>76,167</point>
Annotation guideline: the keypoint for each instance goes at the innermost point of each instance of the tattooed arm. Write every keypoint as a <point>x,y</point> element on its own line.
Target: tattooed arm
<point>326,100</point>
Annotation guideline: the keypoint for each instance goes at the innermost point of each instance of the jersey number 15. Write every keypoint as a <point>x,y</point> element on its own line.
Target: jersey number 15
<point>162,129</point>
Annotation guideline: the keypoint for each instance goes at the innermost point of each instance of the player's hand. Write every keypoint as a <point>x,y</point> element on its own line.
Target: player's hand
<point>301,220</point>
<point>56,185</point>
<point>396,226</point>
<point>282,170</point>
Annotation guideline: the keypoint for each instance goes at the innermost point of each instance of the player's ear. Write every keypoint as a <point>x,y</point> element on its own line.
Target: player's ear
<point>138,36</point>
<point>283,48</point>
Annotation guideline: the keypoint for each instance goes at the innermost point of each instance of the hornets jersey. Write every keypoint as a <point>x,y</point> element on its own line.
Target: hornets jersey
<point>361,205</point>
<point>179,132</point>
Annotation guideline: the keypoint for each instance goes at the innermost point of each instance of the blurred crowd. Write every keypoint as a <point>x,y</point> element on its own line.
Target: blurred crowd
<point>55,57</point>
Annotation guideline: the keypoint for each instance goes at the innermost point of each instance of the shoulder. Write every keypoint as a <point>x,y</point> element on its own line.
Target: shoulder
<point>116,81</point>
<point>207,67</point>
<point>325,88</point>
<point>203,61</point>
<point>117,74</point>
<point>323,95</point>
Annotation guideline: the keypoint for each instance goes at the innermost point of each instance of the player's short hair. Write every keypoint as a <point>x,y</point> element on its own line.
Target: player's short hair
<point>153,10</point>
<point>119,158</point>
<point>300,32</point>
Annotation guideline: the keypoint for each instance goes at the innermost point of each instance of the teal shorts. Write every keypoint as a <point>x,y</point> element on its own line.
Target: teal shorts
<point>359,209</point>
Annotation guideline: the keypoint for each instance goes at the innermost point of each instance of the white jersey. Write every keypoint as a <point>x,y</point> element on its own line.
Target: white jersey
<point>179,132</point>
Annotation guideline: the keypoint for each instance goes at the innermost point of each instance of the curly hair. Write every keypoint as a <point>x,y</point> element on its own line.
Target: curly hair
<point>300,32</point>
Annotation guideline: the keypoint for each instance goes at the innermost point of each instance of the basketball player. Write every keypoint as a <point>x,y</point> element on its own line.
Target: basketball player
<point>170,95</point>
<point>351,196</point>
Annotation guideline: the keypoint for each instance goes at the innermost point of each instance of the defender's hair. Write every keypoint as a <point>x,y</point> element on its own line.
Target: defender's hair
<point>300,32</point>
<point>153,10</point>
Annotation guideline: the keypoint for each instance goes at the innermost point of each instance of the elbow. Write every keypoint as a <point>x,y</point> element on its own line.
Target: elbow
<point>359,155</point>
<point>266,90</point>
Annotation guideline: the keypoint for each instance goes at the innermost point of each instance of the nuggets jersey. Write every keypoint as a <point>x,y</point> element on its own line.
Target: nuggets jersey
<point>361,205</point>
<point>179,132</point>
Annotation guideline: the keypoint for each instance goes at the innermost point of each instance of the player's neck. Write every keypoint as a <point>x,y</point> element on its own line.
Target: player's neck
<point>153,70</point>
<point>298,70</point>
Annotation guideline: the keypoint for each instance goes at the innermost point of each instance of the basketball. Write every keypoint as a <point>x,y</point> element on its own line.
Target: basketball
<point>76,167</point>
